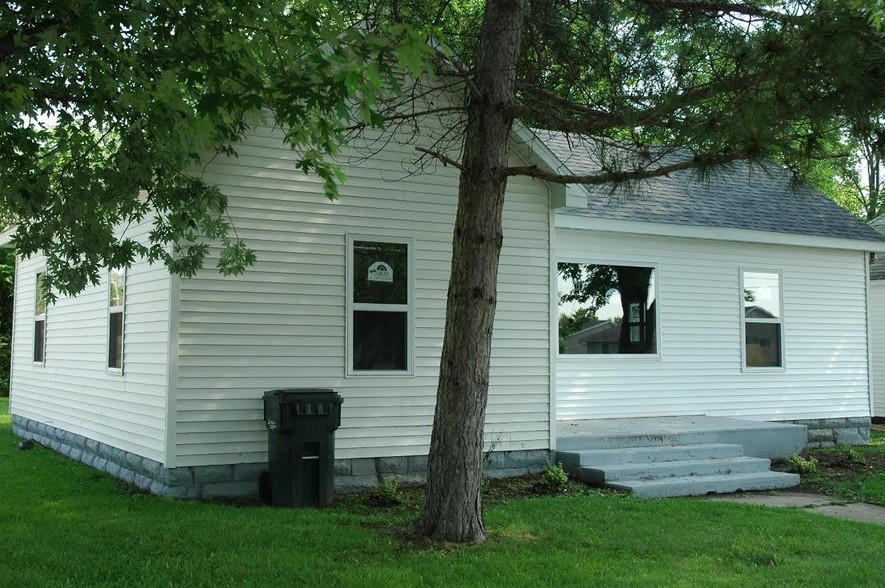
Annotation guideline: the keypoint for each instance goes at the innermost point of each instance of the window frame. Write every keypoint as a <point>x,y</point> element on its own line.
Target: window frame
<point>408,308</point>
<point>778,321</point>
<point>655,266</point>
<point>41,317</point>
<point>116,309</point>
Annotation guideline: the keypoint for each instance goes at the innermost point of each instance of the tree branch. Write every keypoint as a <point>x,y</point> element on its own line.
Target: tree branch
<point>698,161</point>
<point>441,157</point>
<point>606,119</point>
<point>724,7</point>
<point>593,120</point>
<point>409,115</point>
<point>9,44</point>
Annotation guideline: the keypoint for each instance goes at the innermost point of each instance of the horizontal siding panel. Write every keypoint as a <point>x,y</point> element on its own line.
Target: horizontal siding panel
<point>74,389</point>
<point>877,340</point>
<point>283,324</point>
<point>699,370</point>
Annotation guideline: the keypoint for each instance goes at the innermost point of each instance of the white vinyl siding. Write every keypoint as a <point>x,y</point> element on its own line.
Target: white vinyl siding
<point>283,324</point>
<point>877,336</point>
<point>700,365</point>
<point>74,390</point>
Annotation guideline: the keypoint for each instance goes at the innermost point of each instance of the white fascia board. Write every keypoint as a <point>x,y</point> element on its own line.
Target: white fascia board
<point>573,221</point>
<point>528,146</point>
<point>6,237</point>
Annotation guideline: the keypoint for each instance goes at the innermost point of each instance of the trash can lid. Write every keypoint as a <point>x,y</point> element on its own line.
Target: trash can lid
<point>288,395</point>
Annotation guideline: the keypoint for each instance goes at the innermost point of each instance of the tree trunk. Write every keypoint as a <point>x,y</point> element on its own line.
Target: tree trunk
<point>453,507</point>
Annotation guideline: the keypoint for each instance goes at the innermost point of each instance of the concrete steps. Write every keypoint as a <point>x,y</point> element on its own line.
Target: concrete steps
<point>674,470</point>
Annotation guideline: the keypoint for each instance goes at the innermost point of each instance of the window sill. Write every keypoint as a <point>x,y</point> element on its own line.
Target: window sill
<point>380,374</point>
<point>763,370</point>
<point>605,356</point>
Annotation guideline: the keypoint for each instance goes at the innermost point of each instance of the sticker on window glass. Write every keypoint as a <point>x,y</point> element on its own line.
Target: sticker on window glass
<point>634,313</point>
<point>380,272</point>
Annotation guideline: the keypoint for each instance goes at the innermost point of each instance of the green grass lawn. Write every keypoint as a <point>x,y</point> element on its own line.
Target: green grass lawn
<point>62,524</point>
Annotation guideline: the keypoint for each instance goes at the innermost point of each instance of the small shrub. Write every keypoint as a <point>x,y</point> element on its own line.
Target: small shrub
<point>386,493</point>
<point>554,477</point>
<point>803,466</point>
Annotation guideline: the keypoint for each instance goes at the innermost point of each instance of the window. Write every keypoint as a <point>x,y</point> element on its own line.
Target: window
<point>40,318</point>
<point>607,309</point>
<point>763,335</point>
<point>379,298</point>
<point>116,303</point>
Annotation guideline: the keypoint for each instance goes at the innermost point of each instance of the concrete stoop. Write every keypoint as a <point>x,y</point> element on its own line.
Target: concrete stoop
<point>693,461</point>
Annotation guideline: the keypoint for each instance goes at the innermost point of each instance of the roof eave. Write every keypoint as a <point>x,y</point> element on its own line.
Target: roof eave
<point>573,221</point>
<point>530,147</point>
<point>6,237</point>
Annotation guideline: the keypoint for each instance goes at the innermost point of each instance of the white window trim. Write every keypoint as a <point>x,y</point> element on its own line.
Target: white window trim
<point>120,308</point>
<point>38,317</point>
<point>576,357</point>
<point>779,321</point>
<point>409,308</point>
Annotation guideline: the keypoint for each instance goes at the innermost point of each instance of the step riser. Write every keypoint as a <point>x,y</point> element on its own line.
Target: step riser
<point>710,485</point>
<point>777,441</point>
<point>676,470</point>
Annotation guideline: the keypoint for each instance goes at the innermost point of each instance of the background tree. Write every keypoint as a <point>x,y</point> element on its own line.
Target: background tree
<point>7,272</point>
<point>569,324</point>
<point>858,177</point>
<point>7,283</point>
<point>852,174</point>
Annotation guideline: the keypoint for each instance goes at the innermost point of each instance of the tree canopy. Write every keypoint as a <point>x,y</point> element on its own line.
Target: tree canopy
<point>110,109</point>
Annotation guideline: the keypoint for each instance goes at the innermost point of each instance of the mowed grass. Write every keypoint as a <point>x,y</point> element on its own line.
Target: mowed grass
<point>62,524</point>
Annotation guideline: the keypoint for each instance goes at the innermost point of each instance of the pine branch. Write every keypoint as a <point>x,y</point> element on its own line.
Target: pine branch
<point>588,120</point>
<point>606,177</point>
<point>723,7</point>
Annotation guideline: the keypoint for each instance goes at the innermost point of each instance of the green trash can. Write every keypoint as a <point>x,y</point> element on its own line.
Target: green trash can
<point>301,424</point>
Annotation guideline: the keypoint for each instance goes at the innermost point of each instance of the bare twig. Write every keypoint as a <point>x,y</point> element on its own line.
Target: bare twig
<point>443,158</point>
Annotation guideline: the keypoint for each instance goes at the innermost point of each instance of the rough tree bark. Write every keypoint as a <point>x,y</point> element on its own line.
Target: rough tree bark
<point>453,507</point>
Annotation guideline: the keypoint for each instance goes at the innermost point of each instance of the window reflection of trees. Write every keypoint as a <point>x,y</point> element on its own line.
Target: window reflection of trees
<point>630,328</point>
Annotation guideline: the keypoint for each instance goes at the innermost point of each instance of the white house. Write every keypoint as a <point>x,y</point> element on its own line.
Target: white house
<point>159,380</point>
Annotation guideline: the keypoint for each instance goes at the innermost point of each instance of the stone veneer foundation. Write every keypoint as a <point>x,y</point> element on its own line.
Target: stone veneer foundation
<point>829,432</point>
<point>241,480</point>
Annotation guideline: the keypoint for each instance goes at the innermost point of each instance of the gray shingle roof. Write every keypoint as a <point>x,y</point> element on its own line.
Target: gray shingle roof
<point>757,197</point>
